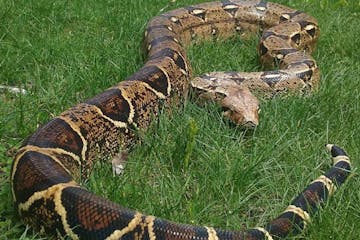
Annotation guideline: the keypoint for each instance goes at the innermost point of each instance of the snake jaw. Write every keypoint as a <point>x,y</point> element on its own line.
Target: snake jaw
<point>241,107</point>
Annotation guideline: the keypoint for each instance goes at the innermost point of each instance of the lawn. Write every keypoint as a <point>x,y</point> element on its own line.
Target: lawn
<point>191,166</point>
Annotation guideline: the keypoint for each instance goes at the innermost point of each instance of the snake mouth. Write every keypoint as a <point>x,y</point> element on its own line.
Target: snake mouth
<point>249,125</point>
<point>238,119</point>
<point>225,109</point>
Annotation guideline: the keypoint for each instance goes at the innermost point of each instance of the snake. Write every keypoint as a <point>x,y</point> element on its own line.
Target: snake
<point>49,165</point>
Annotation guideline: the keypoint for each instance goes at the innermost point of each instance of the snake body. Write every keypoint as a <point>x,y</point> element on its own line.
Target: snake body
<point>48,165</point>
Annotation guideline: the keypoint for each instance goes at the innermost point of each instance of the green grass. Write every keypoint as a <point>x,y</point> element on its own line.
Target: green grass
<point>65,52</point>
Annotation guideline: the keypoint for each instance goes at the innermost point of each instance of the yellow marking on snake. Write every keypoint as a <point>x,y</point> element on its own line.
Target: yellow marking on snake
<point>327,182</point>
<point>300,212</point>
<point>261,8</point>
<point>76,129</point>
<point>174,19</point>
<point>128,100</point>
<point>211,233</point>
<point>149,220</point>
<point>16,161</point>
<point>198,11</point>
<point>329,146</point>
<point>117,124</point>
<point>117,234</point>
<point>168,90</point>
<point>48,151</point>
<point>286,16</point>
<point>45,194</point>
<point>309,27</point>
<point>341,159</point>
<point>158,94</point>
<point>60,209</point>
<point>267,234</point>
<point>230,7</point>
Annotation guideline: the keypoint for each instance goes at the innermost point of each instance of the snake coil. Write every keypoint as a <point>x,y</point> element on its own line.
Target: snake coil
<point>47,165</point>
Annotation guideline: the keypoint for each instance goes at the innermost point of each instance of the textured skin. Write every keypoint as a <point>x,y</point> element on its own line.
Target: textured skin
<point>49,163</point>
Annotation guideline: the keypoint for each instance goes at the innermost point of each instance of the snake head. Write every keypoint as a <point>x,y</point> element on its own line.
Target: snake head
<point>241,107</point>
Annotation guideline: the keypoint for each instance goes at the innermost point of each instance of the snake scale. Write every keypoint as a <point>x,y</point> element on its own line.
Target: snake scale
<point>48,165</point>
